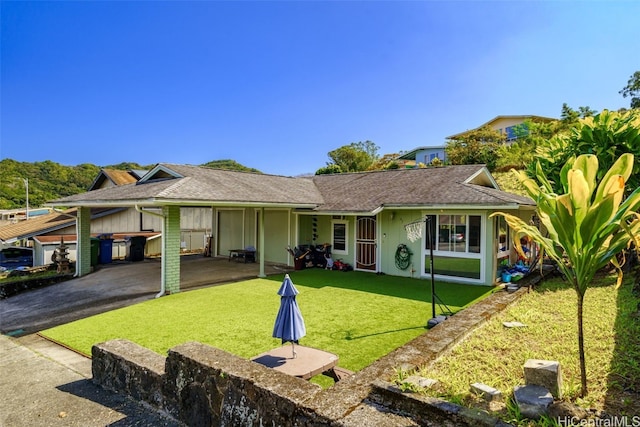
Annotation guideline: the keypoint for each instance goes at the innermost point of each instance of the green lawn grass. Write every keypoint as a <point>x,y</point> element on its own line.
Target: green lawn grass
<point>359,316</point>
<point>495,355</point>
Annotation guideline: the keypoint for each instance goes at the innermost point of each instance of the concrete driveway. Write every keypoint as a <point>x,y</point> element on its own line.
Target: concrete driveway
<point>43,384</point>
<point>113,286</point>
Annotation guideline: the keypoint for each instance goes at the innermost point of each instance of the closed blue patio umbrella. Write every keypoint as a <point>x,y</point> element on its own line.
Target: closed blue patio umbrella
<point>289,324</point>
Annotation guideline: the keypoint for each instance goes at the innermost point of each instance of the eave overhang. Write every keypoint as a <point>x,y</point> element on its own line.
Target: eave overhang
<point>158,202</point>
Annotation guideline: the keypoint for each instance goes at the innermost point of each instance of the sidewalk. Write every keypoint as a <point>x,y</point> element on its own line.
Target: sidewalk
<point>43,384</point>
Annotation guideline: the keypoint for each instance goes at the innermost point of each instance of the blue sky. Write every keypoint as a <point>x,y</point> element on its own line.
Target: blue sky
<point>276,85</point>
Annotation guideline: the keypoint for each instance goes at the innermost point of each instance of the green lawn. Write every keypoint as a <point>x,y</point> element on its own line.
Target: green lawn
<point>495,355</point>
<point>359,316</point>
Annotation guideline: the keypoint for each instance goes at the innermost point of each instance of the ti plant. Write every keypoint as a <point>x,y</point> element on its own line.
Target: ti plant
<point>586,227</point>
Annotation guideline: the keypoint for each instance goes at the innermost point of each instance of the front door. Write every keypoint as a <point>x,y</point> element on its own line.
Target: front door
<point>366,243</point>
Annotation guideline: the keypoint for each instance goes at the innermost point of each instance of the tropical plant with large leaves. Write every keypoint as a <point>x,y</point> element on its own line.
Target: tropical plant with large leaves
<point>606,135</point>
<point>586,226</point>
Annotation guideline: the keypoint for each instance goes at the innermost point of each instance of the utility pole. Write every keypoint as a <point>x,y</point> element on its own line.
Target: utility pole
<point>26,185</point>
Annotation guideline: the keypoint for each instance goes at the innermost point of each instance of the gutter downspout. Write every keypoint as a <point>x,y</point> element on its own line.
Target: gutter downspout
<point>163,283</point>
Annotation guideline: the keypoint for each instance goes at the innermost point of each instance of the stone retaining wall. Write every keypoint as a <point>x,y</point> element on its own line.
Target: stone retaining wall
<point>201,385</point>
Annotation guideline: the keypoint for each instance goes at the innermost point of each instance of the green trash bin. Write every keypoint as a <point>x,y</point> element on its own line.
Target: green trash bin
<point>95,246</point>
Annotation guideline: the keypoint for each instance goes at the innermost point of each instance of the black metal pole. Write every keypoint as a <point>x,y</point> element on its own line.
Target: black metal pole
<point>433,286</point>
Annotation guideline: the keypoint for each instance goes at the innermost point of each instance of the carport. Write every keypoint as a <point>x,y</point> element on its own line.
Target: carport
<point>167,188</point>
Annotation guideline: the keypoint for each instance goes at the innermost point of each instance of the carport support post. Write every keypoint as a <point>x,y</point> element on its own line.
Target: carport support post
<point>261,243</point>
<point>83,232</point>
<point>171,249</point>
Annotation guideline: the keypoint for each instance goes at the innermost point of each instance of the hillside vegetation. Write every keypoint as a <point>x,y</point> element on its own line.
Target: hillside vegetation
<point>606,135</point>
<point>50,180</point>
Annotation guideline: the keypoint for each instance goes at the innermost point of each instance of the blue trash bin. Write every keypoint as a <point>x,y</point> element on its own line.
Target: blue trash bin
<point>106,249</point>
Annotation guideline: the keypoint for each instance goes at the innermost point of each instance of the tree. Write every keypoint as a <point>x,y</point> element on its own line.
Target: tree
<point>607,135</point>
<point>355,157</point>
<point>569,116</point>
<point>386,161</point>
<point>329,169</point>
<point>587,225</point>
<point>127,166</point>
<point>231,165</point>
<point>479,146</point>
<point>632,90</point>
<point>521,153</point>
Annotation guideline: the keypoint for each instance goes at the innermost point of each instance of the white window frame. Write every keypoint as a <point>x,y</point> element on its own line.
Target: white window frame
<point>474,255</point>
<point>346,237</point>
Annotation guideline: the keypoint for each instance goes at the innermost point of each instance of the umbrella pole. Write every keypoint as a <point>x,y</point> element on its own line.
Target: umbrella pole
<point>293,349</point>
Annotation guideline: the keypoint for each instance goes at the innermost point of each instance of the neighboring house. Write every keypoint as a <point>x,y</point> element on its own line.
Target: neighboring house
<point>114,177</point>
<point>511,126</point>
<point>425,155</point>
<point>361,215</point>
<point>11,216</point>
<point>22,232</point>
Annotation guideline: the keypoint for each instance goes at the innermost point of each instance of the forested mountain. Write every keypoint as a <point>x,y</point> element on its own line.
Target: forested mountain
<point>50,180</point>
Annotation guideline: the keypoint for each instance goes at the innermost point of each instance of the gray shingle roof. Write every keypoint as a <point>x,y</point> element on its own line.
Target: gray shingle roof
<point>207,185</point>
<point>353,192</point>
<point>413,187</point>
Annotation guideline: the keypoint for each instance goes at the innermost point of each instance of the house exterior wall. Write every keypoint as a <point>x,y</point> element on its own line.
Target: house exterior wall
<point>323,225</point>
<point>153,247</point>
<point>392,233</point>
<point>106,183</point>
<point>426,156</point>
<point>195,219</point>
<point>120,222</point>
<point>505,125</point>
<point>38,254</point>
<point>304,234</point>
<point>350,256</point>
<point>131,220</point>
<point>230,227</point>
<point>237,228</point>
<point>277,232</point>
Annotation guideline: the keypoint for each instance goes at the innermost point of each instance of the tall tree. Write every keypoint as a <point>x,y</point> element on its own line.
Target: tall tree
<point>569,116</point>
<point>479,146</point>
<point>355,157</point>
<point>588,223</point>
<point>632,90</point>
